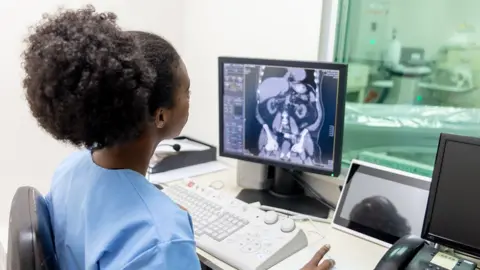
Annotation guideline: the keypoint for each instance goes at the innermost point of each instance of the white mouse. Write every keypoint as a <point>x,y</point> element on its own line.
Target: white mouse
<point>287,225</point>
<point>271,217</point>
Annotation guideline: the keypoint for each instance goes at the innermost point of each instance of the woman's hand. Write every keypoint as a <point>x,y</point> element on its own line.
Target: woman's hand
<point>313,264</point>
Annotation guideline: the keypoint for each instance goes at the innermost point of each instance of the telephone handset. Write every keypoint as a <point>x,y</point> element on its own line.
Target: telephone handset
<point>401,253</point>
<point>413,253</point>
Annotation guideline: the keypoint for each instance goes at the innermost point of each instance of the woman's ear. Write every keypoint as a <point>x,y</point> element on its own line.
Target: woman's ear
<point>160,118</point>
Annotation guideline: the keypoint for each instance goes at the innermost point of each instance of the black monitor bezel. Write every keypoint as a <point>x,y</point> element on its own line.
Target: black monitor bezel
<point>340,110</point>
<point>426,234</point>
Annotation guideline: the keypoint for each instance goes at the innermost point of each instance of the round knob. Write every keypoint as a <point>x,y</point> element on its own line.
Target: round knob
<point>288,225</point>
<point>271,217</point>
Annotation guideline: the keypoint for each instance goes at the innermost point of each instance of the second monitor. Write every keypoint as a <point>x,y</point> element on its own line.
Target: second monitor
<point>285,114</point>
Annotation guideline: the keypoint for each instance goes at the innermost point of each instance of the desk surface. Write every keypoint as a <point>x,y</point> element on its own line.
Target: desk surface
<point>359,254</point>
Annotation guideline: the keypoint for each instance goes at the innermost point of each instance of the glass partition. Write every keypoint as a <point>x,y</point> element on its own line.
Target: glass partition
<point>414,72</point>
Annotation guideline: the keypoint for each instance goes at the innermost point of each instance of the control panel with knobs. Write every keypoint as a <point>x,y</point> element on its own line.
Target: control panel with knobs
<point>239,234</point>
<point>286,225</point>
<point>271,217</point>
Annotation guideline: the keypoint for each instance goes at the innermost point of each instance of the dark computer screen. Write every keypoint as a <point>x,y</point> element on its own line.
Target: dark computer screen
<point>455,216</point>
<point>281,114</point>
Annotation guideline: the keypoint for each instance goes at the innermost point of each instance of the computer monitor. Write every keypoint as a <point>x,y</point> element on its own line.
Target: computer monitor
<point>372,205</point>
<point>452,218</point>
<point>285,114</point>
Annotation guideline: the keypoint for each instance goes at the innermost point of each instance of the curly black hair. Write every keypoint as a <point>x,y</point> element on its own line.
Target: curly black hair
<point>92,84</point>
<point>378,212</point>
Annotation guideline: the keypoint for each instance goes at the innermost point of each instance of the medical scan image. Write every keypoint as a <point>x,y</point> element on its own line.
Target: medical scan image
<point>278,113</point>
<point>290,111</point>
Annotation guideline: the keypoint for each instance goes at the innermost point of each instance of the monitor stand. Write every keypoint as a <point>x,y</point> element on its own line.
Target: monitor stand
<point>285,193</point>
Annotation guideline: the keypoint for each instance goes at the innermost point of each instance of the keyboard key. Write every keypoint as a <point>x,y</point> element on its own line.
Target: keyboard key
<point>222,236</point>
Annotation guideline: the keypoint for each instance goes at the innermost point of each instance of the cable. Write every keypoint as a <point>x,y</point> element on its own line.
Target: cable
<point>292,215</point>
<point>310,189</point>
<point>317,230</point>
<point>175,147</point>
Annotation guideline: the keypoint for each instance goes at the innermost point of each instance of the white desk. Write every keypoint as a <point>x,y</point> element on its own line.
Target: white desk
<point>364,253</point>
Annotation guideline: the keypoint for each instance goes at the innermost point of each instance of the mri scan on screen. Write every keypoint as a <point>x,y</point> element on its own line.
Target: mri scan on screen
<point>290,110</point>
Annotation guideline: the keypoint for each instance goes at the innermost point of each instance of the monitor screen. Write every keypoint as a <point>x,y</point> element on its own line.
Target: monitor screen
<point>382,203</point>
<point>453,216</point>
<point>282,113</point>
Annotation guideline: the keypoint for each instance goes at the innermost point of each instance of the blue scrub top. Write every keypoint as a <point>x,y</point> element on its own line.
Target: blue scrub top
<point>116,219</point>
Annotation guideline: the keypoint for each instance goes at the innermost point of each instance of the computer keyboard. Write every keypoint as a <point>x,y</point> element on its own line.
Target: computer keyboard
<point>240,235</point>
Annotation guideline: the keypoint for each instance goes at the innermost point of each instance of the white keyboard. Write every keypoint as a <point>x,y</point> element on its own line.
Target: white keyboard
<point>236,233</point>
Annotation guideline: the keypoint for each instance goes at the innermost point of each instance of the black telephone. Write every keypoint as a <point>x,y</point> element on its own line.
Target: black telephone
<point>413,253</point>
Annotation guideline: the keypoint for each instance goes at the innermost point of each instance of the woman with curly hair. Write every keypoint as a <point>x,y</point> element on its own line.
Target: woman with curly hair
<point>118,94</point>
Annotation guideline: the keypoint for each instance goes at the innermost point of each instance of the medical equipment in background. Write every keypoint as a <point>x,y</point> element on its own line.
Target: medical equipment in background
<point>450,80</point>
<point>403,136</point>
<point>405,66</point>
<point>357,81</point>
<point>456,75</point>
<point>365,34</point>
<point>393,52</point>
<point>367,38</point>
<point>364,47</point>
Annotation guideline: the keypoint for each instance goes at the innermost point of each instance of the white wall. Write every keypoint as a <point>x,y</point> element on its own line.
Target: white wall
<point>162,17</point>
<point>29,156</point>
<point>282,29</point>
<point>201,31</point>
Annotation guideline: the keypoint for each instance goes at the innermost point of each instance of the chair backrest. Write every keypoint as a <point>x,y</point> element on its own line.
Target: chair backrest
<point>30,238</point>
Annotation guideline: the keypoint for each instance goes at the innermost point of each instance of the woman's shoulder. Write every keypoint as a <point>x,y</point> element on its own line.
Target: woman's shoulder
<point>145,203</point>
<point>121,198</point>
<point>135,211</point>
<point>171,222</point>
<point>147,229</point>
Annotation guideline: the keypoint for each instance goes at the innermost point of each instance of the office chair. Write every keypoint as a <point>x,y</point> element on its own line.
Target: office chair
<point>30,238</point>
